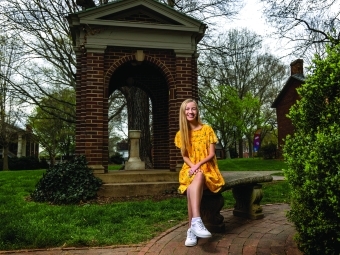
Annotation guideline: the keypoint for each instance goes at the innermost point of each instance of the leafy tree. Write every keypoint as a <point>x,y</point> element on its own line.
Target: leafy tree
<point>226,112</point>
<point>313,157</point>
<point>55,135</point>
<point>237,61</point>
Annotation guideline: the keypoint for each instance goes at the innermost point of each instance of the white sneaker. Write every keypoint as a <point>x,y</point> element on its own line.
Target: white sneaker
<point>199,230</point>
<point>191,239</point>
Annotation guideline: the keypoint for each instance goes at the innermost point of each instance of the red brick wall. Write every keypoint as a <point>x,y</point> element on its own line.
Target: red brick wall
<point>92,126</point>
<point>285,126</point>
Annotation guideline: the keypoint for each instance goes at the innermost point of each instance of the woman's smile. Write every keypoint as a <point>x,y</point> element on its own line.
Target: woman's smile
<point>191,111</point>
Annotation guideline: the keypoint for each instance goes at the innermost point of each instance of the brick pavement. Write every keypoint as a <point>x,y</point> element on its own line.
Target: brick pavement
<point>272,235</point>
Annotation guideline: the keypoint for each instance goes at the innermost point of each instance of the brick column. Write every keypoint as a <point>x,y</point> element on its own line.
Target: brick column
<point>92,107</point>
<point>194,76</point>
<point>80,99</point>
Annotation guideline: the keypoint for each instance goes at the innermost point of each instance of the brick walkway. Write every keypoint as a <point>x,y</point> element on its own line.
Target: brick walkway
<point>272,235</point>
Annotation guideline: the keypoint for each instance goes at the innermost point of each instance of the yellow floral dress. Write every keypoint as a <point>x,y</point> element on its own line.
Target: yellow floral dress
<point>200,142</point>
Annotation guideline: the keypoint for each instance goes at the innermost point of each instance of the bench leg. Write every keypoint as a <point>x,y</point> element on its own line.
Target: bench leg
<point>248,200</point>
<point>211,206</point>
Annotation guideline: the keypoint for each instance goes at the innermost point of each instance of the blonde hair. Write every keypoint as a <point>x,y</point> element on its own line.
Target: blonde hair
<point>184,126</point>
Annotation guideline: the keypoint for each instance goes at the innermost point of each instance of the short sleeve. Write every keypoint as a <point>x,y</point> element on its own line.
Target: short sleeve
<point>212,136</point>
<point>178,141</point>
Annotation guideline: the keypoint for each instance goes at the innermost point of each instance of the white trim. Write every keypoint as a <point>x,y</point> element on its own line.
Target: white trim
<point>95,48</point>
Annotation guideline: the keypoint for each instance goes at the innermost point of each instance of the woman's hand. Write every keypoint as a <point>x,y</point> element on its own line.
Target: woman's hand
<point>194,169</point>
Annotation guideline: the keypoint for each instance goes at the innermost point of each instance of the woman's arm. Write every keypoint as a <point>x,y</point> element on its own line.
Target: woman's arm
<point>187,159</point>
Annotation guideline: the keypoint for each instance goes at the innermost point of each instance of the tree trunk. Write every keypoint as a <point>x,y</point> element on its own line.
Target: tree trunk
<point>138,119</point>
<point>52,159</point>
<point>227,153</point>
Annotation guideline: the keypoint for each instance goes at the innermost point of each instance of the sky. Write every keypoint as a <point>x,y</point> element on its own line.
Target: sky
<point>251,17</point>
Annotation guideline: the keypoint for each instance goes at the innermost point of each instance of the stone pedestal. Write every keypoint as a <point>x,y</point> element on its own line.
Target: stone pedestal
<point>248,200</point>
<point>134,162</point>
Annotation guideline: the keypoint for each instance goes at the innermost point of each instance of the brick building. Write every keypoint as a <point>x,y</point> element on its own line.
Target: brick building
<point>141,43</point>
<point>285,99</point>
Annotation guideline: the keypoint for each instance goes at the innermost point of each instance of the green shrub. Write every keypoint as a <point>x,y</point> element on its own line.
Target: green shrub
<point>117,158</point>
<point>268,151</point>
<point>313,158</point>
<point>67,183</point>
<point>24,163</point>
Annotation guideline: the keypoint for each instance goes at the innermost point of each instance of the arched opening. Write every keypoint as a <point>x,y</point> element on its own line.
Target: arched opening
<point>143,88</point>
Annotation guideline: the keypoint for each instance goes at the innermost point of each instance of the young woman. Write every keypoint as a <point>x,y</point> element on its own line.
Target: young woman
<point>200,170</point>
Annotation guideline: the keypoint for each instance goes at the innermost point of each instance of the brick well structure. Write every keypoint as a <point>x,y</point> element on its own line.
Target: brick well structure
<point>286,98</point>
<point>140,43</point>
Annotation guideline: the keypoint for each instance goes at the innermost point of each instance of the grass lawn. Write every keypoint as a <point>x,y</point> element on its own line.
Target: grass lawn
<point>251,164</point>
<point>114,167</point>
<point>26,224</point>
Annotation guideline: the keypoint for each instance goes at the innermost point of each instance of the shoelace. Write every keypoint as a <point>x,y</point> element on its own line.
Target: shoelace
<point>201,225</point>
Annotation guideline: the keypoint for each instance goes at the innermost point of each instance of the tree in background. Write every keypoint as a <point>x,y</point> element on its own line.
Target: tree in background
<point>55,134</point>
<point>43,34</point>
<point>208,11</point>
<point>226,112</point>
<point>46,48</point>
<point>307,25</point>
<point>117,120</point>
<point>313,157</point>
<point>237,60</point>
<point>9,103</point>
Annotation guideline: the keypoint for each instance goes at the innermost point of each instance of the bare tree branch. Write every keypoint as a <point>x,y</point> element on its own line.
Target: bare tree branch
<point>307,25</point>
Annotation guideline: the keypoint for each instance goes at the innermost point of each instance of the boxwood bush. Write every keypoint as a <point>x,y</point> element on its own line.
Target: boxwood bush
<point>313,158</point>
<point>67,183</point>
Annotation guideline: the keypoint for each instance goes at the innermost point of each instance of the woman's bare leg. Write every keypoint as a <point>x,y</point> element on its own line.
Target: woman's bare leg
<point>194,196</point>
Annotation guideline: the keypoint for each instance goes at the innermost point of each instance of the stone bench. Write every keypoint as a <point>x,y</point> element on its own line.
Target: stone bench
<point>247,191</point>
